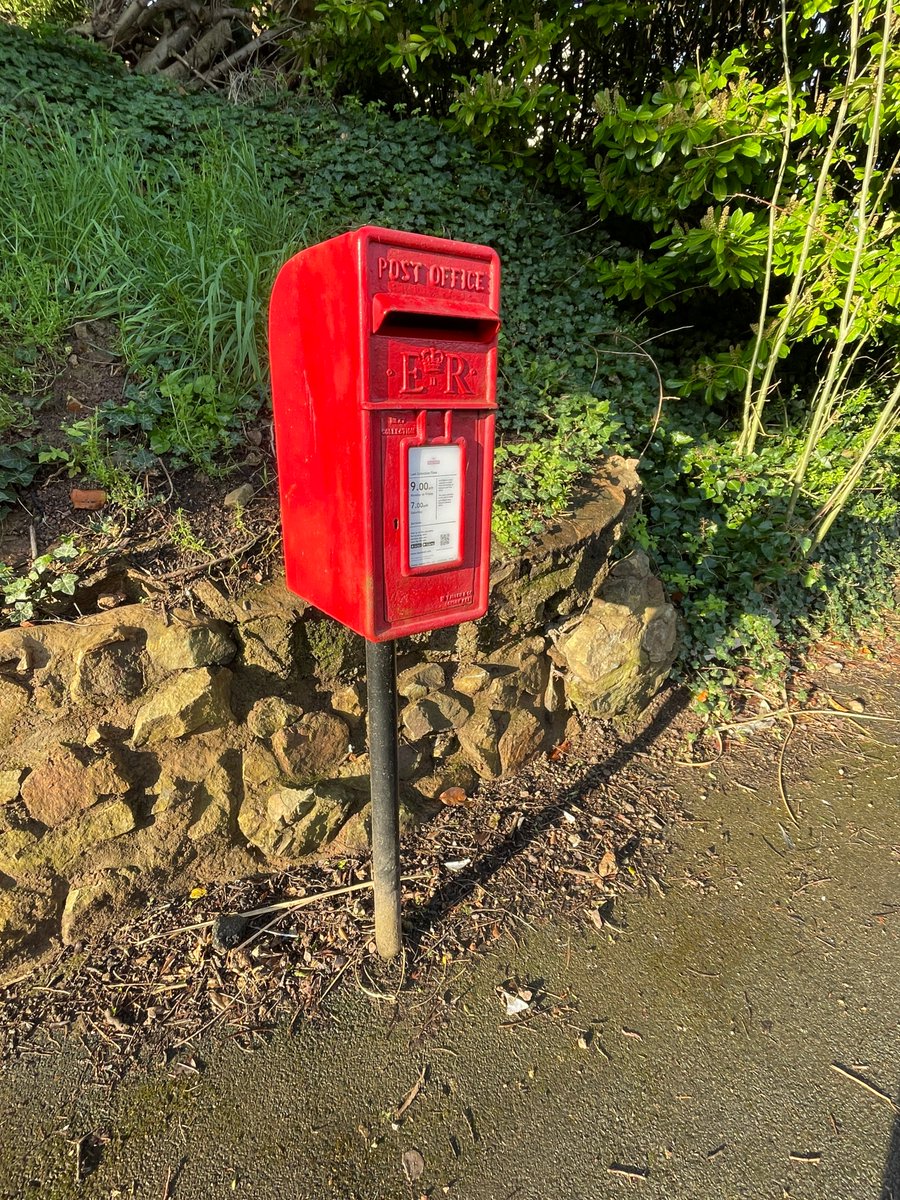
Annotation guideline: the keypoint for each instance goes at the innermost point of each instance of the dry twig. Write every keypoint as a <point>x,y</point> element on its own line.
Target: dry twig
<point>282,906</point>
<point>866,1086</point>
<point>412,1093</point>
<point>628,1172</point>
<point>781,789</point>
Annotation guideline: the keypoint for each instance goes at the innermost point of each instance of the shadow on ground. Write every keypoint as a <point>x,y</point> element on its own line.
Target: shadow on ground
<point>890,1186</point>
<point>461,887</point>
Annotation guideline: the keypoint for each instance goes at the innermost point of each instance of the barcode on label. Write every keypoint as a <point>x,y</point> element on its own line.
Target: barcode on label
<point>445,539</point>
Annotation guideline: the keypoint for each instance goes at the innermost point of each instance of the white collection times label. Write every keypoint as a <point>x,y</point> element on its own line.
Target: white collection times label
<point>435,505</point>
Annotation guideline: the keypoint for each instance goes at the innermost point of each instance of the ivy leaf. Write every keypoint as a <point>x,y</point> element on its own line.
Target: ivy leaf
<point>65,584</point>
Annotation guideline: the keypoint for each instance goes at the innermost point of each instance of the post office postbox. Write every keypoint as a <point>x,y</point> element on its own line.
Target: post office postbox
<point>383,349</point>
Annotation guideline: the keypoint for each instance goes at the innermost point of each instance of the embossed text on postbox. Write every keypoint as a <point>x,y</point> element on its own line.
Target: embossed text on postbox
<point>422,355</point>
<point>400,270</point>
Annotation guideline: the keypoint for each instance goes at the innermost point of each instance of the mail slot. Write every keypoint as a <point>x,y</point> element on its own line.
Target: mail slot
<point>383,349</point>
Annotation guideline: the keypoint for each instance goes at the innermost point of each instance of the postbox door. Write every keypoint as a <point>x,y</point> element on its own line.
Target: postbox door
<point>434,478</point>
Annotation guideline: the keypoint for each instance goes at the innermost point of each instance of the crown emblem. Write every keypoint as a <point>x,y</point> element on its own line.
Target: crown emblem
<point>431,361</point>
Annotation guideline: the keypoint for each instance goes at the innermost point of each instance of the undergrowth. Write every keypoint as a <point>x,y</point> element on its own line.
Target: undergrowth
<point>170,214</point>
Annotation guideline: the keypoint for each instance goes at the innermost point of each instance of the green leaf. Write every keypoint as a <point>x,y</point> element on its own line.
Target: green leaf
<point>65,584</point>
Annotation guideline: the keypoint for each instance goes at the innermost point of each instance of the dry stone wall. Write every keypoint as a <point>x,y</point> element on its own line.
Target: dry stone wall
<point>147,751</point>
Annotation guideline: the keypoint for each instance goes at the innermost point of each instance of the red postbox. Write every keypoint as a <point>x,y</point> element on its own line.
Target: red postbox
<point>383,349</point>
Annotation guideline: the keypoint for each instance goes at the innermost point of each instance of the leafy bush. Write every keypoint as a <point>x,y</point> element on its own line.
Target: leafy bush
<point>39,14</point>
<point>750,591</point>
<point>518,76</point>
<point>171,213</point>
<point>38,592</point>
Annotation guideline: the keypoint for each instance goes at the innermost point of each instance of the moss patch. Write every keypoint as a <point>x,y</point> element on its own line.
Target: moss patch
<point>333,648</point>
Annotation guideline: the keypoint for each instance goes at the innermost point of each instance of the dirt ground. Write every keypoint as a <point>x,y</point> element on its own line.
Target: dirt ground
<point>162,531</point>
<point>730,1031</point>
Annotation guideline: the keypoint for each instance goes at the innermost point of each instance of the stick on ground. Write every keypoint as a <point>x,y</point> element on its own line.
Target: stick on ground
<point>282,906</point>
<point>866,1086</point>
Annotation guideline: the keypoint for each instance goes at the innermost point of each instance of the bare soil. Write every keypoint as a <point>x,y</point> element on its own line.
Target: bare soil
<point>179,529</point>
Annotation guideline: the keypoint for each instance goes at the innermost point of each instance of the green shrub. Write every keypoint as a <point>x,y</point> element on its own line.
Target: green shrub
<point>171,214</point>
<point>41,14</point>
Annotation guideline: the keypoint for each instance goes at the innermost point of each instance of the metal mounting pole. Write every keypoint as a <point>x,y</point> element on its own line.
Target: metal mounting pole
<point>381,673</point>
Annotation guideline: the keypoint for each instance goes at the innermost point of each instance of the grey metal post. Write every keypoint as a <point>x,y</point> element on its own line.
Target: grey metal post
<point>381,672</point>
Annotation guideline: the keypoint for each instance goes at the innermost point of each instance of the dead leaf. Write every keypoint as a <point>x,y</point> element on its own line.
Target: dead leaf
<point>455,797</point>
<point>459,865</point>
<point>596,918</point>
<point>75,406</point>
<point>515,1005</point>
<point>185,1066</point>
<point>88,499</point>
<point>607,865</point>
<point>115,1022</point>
<point>560,751</point>
<point>413,1165</point>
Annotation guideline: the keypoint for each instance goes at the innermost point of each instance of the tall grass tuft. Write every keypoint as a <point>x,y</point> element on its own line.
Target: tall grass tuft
<point>182,258</point>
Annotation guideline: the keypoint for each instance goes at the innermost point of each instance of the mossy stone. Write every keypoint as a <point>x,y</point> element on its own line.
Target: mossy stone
<point>333,647</point>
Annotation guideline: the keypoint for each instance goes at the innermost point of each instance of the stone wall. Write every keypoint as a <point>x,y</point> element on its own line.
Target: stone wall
<point>146,751</point>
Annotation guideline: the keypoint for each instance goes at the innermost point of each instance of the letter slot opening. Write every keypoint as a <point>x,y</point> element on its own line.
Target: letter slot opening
<point>400,316</point>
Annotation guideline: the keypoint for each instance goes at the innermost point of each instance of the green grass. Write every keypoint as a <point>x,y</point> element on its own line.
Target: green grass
<point>182,258</point>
